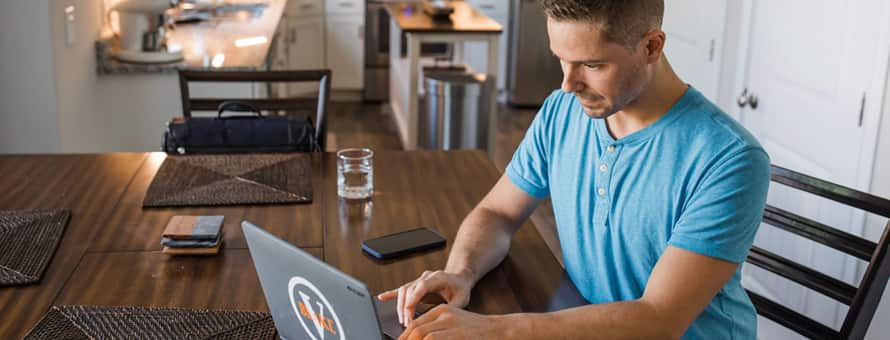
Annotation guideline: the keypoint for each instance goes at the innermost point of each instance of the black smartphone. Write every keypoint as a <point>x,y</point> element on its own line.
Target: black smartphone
<point>403,243</point>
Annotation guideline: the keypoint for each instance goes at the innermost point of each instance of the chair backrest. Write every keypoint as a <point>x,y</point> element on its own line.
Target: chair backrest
<point>320,104</point>
<point>862,300</point>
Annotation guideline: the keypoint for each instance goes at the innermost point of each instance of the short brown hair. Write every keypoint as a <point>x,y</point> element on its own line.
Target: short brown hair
<point>624,22</point>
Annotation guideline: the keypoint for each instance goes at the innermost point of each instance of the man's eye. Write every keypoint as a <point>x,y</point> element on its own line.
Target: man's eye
<point>592,66</point>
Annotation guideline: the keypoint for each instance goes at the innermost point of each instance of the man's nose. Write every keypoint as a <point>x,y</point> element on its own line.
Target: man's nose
<point>570,81</point>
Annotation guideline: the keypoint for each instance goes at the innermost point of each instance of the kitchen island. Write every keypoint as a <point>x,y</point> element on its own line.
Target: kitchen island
<point>409,28</point>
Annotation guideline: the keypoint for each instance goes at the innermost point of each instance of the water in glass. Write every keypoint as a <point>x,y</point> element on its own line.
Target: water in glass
<point>355,174</point>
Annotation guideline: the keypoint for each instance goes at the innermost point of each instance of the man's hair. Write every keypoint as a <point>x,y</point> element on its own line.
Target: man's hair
<point>624,22</point>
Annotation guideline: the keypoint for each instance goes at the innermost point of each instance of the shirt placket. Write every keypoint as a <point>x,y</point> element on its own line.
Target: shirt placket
<point>604,171</point>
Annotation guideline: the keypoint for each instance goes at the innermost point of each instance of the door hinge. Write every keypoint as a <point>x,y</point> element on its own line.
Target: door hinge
<point>862,109</point>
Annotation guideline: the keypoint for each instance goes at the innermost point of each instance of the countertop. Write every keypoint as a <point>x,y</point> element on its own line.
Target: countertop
<point>465,19</point>
<point>205,41</point>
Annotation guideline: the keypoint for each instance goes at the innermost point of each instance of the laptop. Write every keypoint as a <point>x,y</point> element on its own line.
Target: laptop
<point>309,299</point>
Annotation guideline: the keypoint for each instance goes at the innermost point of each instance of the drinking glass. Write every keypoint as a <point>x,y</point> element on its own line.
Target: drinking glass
<point>355,173</point>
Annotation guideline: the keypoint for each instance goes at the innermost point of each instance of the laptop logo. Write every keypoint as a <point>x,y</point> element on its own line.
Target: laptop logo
<point>313,310</point>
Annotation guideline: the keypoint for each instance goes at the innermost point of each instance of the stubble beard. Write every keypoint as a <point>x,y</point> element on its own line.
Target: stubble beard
<point>631,88</point>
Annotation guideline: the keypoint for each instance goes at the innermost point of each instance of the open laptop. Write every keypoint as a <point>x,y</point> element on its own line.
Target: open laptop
<point>309,299</point>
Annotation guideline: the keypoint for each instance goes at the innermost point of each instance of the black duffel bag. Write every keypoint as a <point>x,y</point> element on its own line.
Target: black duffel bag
<point>253,133</point>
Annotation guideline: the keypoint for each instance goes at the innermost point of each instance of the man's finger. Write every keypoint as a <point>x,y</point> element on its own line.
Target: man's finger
<point>408,292</point>
<point>420,290</point>
<point>388,295</point>
<point>457,301</point>
<point>401,302</point>
<point>429,316</point>
<point>420,329</point>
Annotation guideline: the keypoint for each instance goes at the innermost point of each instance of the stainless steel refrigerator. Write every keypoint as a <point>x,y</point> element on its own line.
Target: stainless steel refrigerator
<point>533,72</point>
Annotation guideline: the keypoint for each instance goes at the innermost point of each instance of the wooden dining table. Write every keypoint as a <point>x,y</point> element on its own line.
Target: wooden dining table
<point>110,253</point>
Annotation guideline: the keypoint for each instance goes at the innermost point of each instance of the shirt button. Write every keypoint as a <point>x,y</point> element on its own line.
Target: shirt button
<point>604,168</point>
<point>611,148</point>
<point>601,192</point>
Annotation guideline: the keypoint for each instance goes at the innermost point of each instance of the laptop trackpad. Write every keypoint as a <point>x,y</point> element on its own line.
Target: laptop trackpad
<point>389,319</point>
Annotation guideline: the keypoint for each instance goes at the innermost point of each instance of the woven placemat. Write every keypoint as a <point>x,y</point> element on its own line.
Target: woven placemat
<point>83,322</point>
<point>212,180</point>
<point>28,240</point>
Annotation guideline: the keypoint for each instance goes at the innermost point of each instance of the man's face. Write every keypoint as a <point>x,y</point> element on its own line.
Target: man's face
<point>604,76</point>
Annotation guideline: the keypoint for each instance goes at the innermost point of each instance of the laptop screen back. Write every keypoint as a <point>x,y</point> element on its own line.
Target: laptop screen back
<point>308,298</point>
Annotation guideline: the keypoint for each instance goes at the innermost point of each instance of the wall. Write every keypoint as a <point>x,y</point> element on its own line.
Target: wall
<point>75,75</point>
<point>27,93</point>
<point>134,108</point>
<point>47,87</point>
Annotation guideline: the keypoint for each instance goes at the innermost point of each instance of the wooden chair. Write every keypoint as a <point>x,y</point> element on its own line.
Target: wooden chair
<point>319,105</point>
<point>863,300</point>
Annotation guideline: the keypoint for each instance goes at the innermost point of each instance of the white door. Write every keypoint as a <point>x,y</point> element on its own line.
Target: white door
<point>346,50</point>
<point>810,67</point>
<point>694,30</point>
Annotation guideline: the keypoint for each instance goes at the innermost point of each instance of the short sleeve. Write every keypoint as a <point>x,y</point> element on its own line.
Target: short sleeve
<point>529,168</point>
<point>725,211</point>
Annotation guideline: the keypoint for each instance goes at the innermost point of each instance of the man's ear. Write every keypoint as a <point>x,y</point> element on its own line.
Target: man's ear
<point>654,45</point>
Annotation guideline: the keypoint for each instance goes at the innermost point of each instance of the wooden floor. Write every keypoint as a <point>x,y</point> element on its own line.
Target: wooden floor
<point>355,124</point>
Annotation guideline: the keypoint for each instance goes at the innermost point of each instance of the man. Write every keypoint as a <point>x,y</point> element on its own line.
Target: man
<point>657,196</point>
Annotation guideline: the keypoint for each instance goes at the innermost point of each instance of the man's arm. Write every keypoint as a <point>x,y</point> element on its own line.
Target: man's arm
<point>680,287</point>
<point>483,239</point>
<point>482,242</point>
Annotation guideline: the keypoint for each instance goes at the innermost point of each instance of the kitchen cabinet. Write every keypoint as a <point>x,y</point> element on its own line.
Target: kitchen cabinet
<point>305,8</point>
<point>299,45</point>
<point>305,41</point>
<point>474,52</point>
<point>344,7</point>
<point>277,58</point>
<point>322,34</point>
<point>345,43</point>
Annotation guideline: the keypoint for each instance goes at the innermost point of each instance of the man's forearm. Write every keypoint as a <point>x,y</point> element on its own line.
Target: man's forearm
<point>482,242</point>
<point>619,320</point>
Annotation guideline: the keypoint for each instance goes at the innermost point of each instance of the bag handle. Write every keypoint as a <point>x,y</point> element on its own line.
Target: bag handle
<point>236,106</point>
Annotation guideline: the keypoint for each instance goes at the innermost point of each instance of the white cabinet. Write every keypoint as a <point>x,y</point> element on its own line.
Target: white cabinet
<point>345,43</point>
<point>305,50</point>
<point>346,7</point>
<point>297,8</point>
<point>299,45</point>
<point>301,32</point>
<point>322,34</point>
<point>475,53</point>
<point>305,41</point>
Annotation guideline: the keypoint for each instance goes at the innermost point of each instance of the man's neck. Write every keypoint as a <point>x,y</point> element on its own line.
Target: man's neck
<point>663,92</point>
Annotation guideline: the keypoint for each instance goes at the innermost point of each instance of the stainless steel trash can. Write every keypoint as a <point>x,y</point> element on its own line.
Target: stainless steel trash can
<point>455,112</point>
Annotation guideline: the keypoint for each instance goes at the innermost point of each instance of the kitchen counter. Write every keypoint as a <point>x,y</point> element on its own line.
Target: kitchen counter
<point>411,19</point>
<point>236,41</point>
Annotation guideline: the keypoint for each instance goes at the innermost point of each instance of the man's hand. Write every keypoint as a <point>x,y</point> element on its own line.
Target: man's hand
<point>447,322</point>
<point>482,242</point>
<point>453,288</point>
